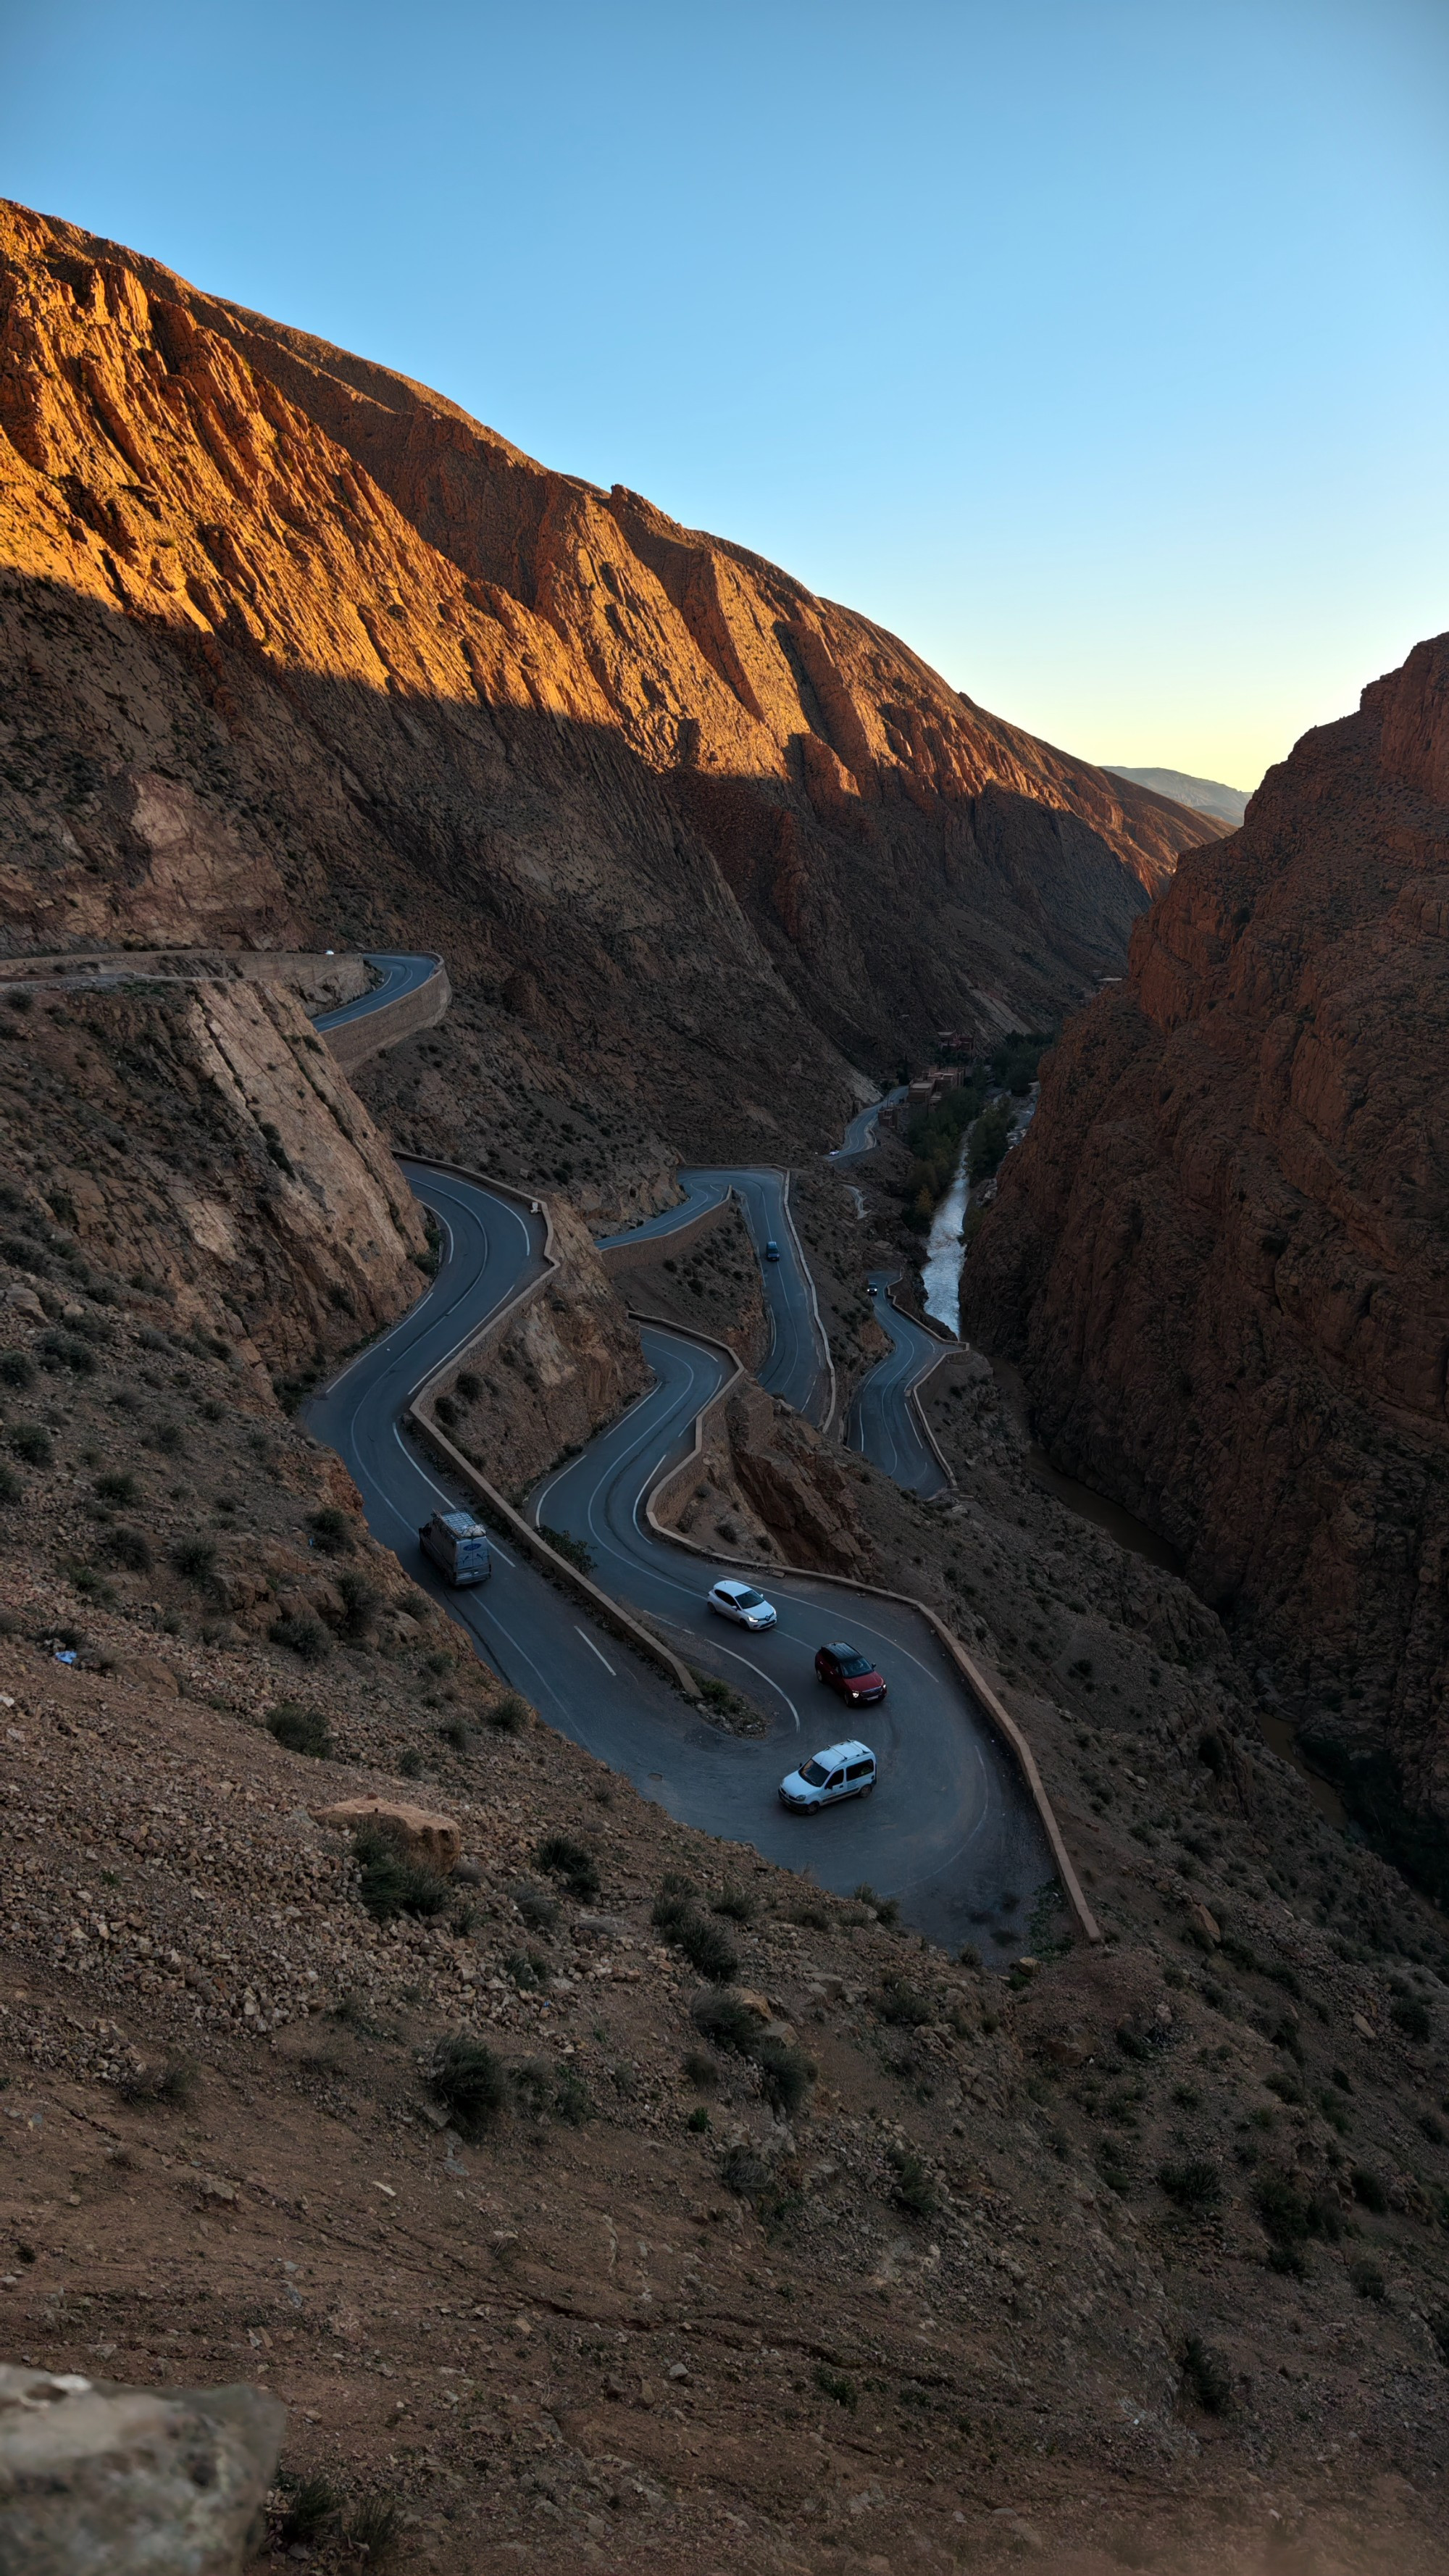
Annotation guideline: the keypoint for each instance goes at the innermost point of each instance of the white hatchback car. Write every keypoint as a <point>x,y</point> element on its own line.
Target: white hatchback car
<point>841,1771</point>
<point>742,1603</point>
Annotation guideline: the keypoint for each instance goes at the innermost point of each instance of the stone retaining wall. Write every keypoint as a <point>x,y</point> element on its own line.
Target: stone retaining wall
<point>356,1040</point>
<point>641,1251</point>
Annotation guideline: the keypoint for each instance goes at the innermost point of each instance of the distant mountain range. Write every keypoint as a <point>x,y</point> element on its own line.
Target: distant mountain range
<point>1205,795</point>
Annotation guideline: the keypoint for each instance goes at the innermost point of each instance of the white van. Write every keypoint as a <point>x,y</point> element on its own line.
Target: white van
<point>459,1544</point>
<point>841,1771</point>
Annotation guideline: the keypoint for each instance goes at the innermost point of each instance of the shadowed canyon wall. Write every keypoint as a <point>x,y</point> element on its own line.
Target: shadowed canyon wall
<point>1221,1256</point>
<point>295,651</point>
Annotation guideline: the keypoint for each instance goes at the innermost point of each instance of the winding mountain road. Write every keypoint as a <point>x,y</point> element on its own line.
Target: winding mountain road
<point>950,1832</point>
<point>400,974</point>
<point>797,1365</point>
<point>883,1424</point>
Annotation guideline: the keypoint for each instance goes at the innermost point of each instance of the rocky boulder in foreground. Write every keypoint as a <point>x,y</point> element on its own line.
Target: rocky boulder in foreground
<point>104,2481</point>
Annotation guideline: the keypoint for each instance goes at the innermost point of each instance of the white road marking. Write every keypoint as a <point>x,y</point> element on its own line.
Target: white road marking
<point>594,1650</point>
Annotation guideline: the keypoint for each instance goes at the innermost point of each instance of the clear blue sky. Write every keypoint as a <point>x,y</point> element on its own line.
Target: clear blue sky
<point>1096,346</point>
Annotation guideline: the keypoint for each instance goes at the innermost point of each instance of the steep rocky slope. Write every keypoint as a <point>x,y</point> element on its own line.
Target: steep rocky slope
<point>1124,2260</point>
<point>294,651</point>
<point>1222,1254</point>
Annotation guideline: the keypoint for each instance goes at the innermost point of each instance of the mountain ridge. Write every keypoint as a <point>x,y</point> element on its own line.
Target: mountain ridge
<point>1220,1254</point>
<point>566,740</point>
<point>1226,805</point>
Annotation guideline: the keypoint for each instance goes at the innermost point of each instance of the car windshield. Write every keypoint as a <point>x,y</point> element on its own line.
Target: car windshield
<point>750,1600</point>
<point>850,1665</point>
<point>816,1774</point>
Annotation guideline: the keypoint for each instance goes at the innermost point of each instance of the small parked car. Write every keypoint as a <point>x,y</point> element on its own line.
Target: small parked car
<point>742,1603</point>
<point>841,1771</point>
<point>850,1673</point>
<point>459,1545</point>
<point>772,1250</point>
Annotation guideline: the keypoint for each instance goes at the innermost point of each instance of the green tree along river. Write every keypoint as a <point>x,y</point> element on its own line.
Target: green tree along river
<point>934,1135</point>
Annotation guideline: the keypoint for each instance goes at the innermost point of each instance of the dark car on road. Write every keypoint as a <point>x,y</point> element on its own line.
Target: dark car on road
<point>850,1673</point>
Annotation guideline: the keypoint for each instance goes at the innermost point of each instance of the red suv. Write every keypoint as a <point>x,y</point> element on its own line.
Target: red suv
<point>846,1670</point>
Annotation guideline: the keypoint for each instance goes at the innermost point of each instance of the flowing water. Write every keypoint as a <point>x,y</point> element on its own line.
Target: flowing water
<point>945,1252</point>
<point>945,1244</point>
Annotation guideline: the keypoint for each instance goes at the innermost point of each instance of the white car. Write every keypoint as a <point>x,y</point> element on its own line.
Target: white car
<point>841,1771</point>
<point>742,1603</point>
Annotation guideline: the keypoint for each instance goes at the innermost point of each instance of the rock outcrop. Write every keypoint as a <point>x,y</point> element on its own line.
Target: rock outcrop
<point>199,1142</point>
<point>1221,1256</point>
<point>295,652</point>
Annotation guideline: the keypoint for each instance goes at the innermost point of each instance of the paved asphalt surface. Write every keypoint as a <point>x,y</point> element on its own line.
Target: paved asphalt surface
<point>795,1368</point>
<point>949,1831</point>
<point>862,1135</point>
<point>399,975</point>
<point>882,1424</point>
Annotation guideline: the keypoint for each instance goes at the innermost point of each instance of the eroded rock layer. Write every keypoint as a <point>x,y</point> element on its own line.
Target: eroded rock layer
<point>1222,1254</point>
<point>293,651</point>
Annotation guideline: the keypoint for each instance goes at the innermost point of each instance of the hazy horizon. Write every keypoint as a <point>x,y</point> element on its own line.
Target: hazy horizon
<point>1096,350</point>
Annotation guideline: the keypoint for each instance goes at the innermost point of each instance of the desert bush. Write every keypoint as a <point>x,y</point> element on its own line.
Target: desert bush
<point>913,2189</point>
<point>410,1762</point>
<point>708,1949</point>
<point>546,2092</point>
<point>392,1882</point>
<point>1368,2280</point>
<point>1195,2184</point>
<point>300,1730</point>
<point>195,1558</point>
<point>1205,2376</point>
<point>900,2004</point>
<point>32,1442</point>
<point>65,1350</point>
<point>1410,2014</point>
<point>728,2022</point>
<point>370,2530</point>
<point>310,2505</point>
<point>118,1485</point>
<point>16,1368</point>
<point>170,2086</point>
<point>835,2384</point>
<point>538,1908</point>
<point>468,1385</point>
<point>743,2172</point>
<point>528,1969</point>
<point>785,2072</point>
<point>1368,2189</point>
<point>359,1603</point>
<point>468,2082</point>
<point>700,2071</point>
<point>737,1903</point>
<point>332,1531</point>
<point>302,1635</point>
<point>698,2119</point>
<point>127,1549</point>
<point>509,1715</point>
<point>572,1862</point>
